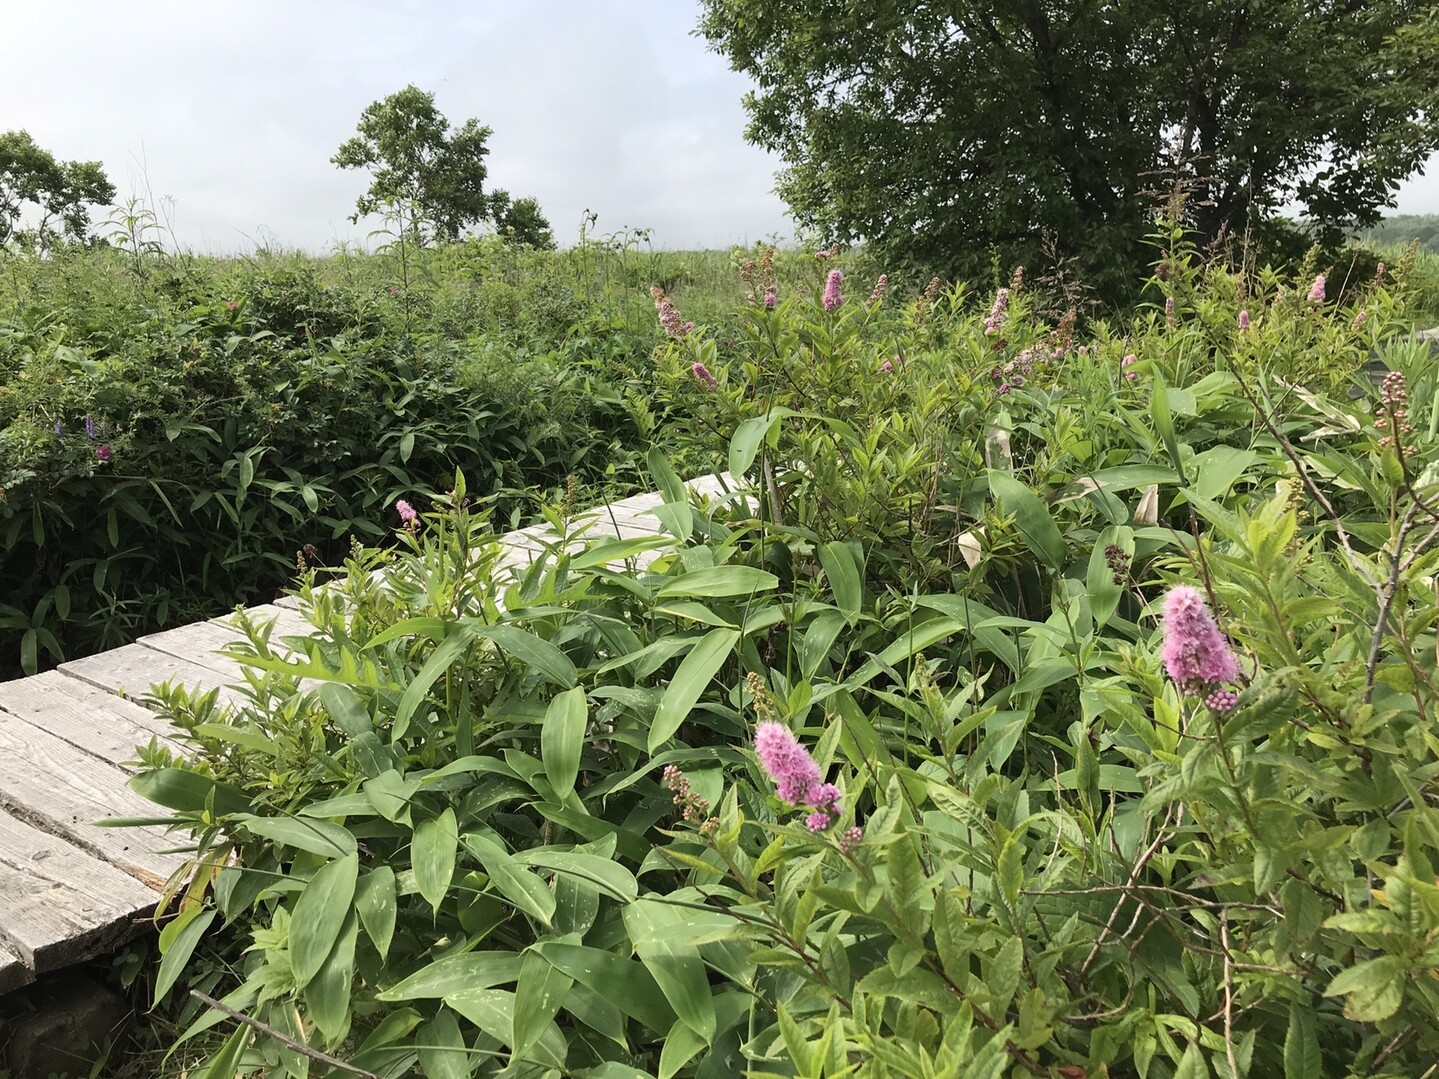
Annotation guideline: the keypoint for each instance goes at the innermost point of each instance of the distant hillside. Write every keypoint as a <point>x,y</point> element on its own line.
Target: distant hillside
<point>1403,228</point>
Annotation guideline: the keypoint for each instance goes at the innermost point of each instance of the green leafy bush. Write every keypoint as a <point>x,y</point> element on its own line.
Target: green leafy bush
<point>494,826</point>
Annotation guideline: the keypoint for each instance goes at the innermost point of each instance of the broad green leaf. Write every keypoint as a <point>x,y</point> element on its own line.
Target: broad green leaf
<point>1041,535</point>
<point>720,581</point>
<point>345,707</point>
<point>375,900</point>
<point>1104,592</point>
<point>692,678</point>
<point>189,792</point>
<point>320,914</point>
<point>177,944</point>
<point>303,833</point>
<point>748,438</point>
<point>603,874</point>
<point>493,1011</point>
<point>1192,1064</point>
<point>1164,423</point>
<point>516,883</point>
<point>562,737</point>
<point>1302,1056</point>
<point>442,1048</point>
<point>628,984</point>
<point>327,994</point>
<point>534,652</point>
<point>845,576</point>
<point>656,931</point>
<point>455,973</point>
<point>666,481</point>
<point>226,1063</point>
<point>1374,988</point>
<point>433,850</point>
<point>540,992</point>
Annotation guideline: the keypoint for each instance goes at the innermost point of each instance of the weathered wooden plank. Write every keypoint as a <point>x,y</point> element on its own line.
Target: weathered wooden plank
<point>130,671</point>
<point>83,715</point>
<point>200,643</point>
<point>61,904</point>
<point>14,971</point>
<point>59,789</point>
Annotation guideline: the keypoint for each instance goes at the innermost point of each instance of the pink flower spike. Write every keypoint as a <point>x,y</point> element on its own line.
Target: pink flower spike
<point>886,367</point>
<point>407,513</point>
<point>1316,290</point>
<point>787,762</point>
<point>1243,321</point>
<point>1196,654</point>
<point>769,300</point>
<point>702,373</point>
<point>832,297</point>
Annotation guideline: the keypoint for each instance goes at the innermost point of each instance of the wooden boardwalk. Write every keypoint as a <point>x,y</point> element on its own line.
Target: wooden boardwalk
<point>71,890</point>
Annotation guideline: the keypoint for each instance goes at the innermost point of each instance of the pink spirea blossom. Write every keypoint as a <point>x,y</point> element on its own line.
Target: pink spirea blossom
<point>769,300</point>
<point>995,322</point>
<point>1169,310</point>
<point>1359,320</point>
<point>407,513</point>
<point>796,775</point>
<point>886,367</point>
<point>849,839</point>
<point>1195,652</point>
<point>1316,290</point>
<point>1222,700</point>
<point>832,297</point>
<point>703,375</point>
<point>786,761</point>
<point>1243,321</point>
<point>1128,362</point>
<point>102,454</point>
<point>877,293</point>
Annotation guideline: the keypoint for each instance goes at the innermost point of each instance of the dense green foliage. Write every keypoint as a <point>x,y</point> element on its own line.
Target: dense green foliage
<point>487,826</point>
<point>941,132</point>
<point>60,192</point>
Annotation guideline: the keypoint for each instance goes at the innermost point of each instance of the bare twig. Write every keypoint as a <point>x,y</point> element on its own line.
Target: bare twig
<point>284,1039</point>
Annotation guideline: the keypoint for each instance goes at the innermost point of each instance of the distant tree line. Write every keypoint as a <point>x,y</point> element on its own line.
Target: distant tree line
<point>1403,228</point>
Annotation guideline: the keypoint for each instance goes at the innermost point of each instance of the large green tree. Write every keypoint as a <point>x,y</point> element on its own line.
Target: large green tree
<point>948,129</point>
<point>56,194</point>
<point>434,176</point>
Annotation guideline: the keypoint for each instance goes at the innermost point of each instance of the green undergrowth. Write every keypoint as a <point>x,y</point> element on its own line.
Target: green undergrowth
<point>495,826</point>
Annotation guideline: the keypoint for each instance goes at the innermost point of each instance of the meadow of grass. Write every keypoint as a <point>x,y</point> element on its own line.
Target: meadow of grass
<point>1059,701</point>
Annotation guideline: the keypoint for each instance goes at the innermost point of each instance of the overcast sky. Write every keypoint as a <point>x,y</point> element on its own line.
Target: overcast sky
<point>234,110</point>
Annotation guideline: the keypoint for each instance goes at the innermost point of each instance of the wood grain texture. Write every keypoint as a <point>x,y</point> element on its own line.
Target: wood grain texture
<point>49,784</point>
<point>131,671</point>
<point>88,718</point>
<point>61,905</point>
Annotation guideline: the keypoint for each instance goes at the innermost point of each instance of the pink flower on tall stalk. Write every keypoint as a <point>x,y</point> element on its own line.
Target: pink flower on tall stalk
<point>795,774</point>
<point>769,300</point>
<point>1169,310</point>
<point>702,373</point>
<point>407,513</point>
<point>1126,363</point>
<point>880,284</point>
<point>1316,290</point>
<point>1243,321</point>
<point>832,297</point>
<point>995,322</point>
<point>1196,654</point>
<point>672,321</point>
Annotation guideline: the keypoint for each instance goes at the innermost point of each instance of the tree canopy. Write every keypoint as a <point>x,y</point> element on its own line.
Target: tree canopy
<point>954,131</point>
<point>60,193</point>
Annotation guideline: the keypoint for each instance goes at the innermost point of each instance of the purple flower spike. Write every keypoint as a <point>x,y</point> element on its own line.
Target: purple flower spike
<point>89,427</point>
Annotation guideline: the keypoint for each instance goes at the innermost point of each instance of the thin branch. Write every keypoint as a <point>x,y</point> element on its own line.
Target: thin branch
<point>284,1039</point>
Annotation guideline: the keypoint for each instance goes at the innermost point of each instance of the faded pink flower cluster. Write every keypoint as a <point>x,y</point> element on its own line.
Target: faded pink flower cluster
<point>796,775</point>
<point>995,322</point>
<point>1316,290</point>
<point>877,293</point>
<point>832,297</point>
<point>673,323</point>
<point>1196,654</point>
<point>1128,362</point>
<point>1243,321</point>
<point>703,376</point>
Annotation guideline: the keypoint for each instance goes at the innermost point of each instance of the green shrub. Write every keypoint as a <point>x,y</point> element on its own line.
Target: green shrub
<point>515,828</point>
